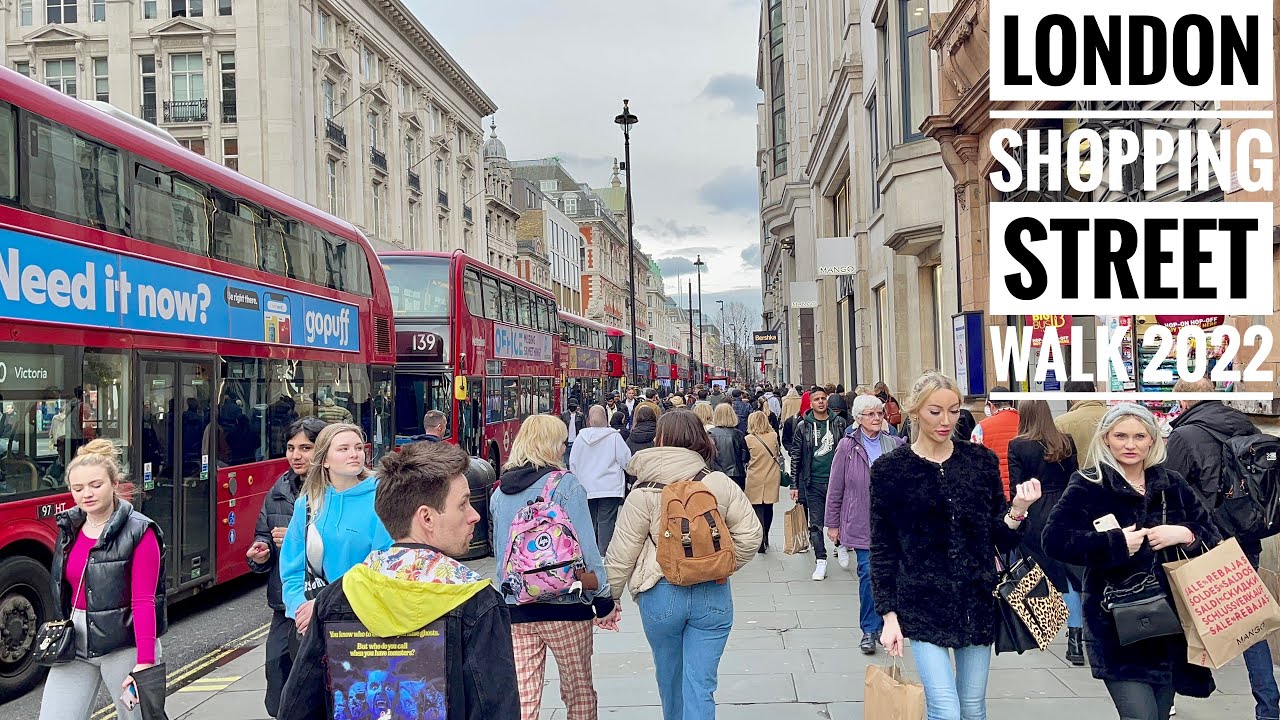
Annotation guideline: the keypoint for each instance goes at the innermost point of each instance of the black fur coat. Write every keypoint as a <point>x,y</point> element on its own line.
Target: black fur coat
<point>1070,537</point>
<point>934,535</point>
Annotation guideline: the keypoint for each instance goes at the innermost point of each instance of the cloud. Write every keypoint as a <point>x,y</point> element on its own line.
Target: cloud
<point>666,228</point>
<point>751,256</point>
<point>674,266</point>
<point>591,169</point>
<point>748,296</point>
<point>732,191</point>
<point>738,88</point>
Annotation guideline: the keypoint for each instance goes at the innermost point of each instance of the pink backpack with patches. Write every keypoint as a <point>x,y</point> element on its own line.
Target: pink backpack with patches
<point>544,551</point>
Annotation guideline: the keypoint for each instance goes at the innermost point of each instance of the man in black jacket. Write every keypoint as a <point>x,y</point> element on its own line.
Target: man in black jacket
<point>575,421</point>
<point>1195,451</point>
<point>742,409</point>
<point>264,555</point>
<point>444,627</point>
<point>434,427</point>
<point>813,446</point>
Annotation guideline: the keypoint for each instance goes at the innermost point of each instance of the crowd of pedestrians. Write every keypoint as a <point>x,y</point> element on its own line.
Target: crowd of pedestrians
<point>668,496</point>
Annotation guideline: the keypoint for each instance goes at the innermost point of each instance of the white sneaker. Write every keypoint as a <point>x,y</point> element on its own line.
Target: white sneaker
<point>842,556</point>
<point>820,570</point>
<point>1172,711</point>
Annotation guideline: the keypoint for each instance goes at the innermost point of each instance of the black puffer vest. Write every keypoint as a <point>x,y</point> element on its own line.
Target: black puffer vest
<point>108,603</point>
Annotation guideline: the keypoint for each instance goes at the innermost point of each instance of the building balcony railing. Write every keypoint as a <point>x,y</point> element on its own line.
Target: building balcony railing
<point>442,197</point>
<point>415,182</point>
<point>185,111</point>
<point>335,134</point>
<point>466,213</point>
<point>378,158</point>
<point>228,111</point>
<point>149,113</point>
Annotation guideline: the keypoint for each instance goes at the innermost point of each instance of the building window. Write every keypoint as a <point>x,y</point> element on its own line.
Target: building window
<point>549,185</point>
<point>224,8</point>
<point>147,63</point>
<point>60,11</point>
<point>571,206</point>
<point>778,87</point>
<point>98,10</point>
<point>409,154</point>
<point>149,11</point>
<point>882,322</point>
<point>23,68</point>
<point>187,8</point>
<point>195,145</point>
<point>101,89</point>
<point>331,184</point>
<point>327,92</point>
<point>413,225</point>
<point>25,13</point>
<point>186,76</point>
<point>231,153</point>
<point>436,119</point>
<point>439,174</point>
<point>227,65</point>
<point>377,209</point>
<point>324,28</point>
<point>406,94</point>
<point>916,93</point>
<point>940,324</point>
<point>369,65</point>
<point>873,139</point>
<point>61,75</point>
<point>462,140</point>
<point>375,128</point>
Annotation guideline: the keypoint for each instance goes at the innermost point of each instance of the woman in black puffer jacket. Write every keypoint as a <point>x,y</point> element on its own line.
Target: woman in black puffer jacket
<point>644,430</point>
<point>732,452</point>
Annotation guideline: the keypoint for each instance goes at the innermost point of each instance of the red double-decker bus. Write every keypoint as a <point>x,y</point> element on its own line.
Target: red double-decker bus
<point>473,342</point>
<point>584,363</point>
<point>187,314</point>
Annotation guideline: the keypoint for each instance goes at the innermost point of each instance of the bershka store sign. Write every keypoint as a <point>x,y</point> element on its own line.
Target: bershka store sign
<point>1148,258</point>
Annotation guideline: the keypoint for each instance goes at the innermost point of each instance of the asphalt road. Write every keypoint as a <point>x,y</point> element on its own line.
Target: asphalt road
<point>198,626</point>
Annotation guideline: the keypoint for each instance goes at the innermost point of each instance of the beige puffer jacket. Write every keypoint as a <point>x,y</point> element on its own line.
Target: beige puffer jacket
<point>633,556</point>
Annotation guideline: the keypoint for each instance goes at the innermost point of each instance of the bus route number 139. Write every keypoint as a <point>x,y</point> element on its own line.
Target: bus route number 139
<point>426,345</point>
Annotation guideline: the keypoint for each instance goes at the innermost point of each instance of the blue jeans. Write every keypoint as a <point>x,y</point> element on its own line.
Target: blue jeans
<point>687,628</point>
<point>868,619</point>
<point>953,693</point>
<point>1262,678</point>
<point>1075,608</point>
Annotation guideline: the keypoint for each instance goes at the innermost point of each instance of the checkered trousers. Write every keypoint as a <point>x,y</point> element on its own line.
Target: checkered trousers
<point>571,643</point>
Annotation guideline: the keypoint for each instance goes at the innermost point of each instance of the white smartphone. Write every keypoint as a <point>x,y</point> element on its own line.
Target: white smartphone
<point>1106,522</point>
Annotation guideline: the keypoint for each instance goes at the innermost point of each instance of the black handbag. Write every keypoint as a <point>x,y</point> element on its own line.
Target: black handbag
<point>1139,605</point>
<point>1030,612</point>
<point>313,579</point>
<point>56,639</point>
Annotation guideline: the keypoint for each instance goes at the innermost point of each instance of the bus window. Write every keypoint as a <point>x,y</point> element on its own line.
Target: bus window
<point>72,178</point>
<point>233,233</point>
<point>471,418</point>
<point>471,290</point>
<point>526,397</point>
<point>243,410</point>
<point>544,323</point>
<point>359,278</point>
<point>508,303</point>
<point>544,395</point>
<point>415,395</point>
<point>522,305</point>
<point>8,153</point>
<point>271,256</point>
<point>300,245</point>
<point>493,401</point>
<point>383,409</point>
<point>510,398</point>
<point>492,304</point>
<point>335,261</point>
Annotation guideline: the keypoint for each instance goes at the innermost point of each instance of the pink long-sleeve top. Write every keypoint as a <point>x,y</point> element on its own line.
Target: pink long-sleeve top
<point>144,573</point>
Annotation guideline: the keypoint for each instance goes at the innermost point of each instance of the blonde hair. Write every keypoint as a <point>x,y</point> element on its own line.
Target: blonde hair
<point>99,453</point>
<point>758,423</point>
<point>703,411</point>
<point>862,390</point>
<point>724,416</point>
<point>538,443</point>
<point>318,476</point>
<point>1100,453</point>
<point>921,390</point>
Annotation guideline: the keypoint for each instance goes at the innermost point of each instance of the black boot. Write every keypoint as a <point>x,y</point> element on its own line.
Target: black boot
<point>1075,646</point>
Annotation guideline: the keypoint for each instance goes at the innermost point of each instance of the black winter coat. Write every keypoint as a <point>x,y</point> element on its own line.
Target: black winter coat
<point>1027,461</point>
<point>742,409</point>
<point>935,531</point>
<point>732,453</point>
<point>480,664</point>
<point>108,591</point>
<point>1070,537</point>
<point>641,437</point>
<point>1197,455</point>
<point>277,511</point>
<point>804,442</point>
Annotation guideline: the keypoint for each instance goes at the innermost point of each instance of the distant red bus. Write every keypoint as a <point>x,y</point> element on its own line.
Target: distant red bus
<point>178,309</point>
<point>584,362</point>
<point>473,342</point>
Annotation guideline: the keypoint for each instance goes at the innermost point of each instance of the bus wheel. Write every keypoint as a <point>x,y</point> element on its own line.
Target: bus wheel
<point>495,458</point>
<point>25,603</point>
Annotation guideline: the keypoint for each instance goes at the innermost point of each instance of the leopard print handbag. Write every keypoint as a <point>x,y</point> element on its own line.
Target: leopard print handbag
<point>1031,612</point>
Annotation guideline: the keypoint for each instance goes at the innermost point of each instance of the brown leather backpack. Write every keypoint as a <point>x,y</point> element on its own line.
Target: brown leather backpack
<point>694,545</point>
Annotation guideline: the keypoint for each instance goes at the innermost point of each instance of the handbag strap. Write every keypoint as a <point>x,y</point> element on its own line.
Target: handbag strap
<point>766,447</point>
<point>83,574</point>
<point>310,528</point>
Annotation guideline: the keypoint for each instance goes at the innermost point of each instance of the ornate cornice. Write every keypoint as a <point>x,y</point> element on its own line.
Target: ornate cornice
<point>434,52</point>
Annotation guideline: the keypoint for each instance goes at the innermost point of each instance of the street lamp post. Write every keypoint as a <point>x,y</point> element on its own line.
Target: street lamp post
<point>702,358</point>
<point>723,350</point>
<point>626,121</point>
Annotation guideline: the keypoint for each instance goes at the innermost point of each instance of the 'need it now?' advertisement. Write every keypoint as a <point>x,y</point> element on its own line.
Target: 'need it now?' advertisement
<point>51,281</point>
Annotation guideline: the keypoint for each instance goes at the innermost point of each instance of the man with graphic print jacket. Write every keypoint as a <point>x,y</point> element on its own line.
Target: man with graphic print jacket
<point>812,449</point>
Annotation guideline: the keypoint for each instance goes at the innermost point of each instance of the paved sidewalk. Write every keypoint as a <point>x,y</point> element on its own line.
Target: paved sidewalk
<point>793,653</point>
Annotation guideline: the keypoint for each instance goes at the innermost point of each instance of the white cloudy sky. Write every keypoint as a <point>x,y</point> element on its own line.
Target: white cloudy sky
<point>558,70</point>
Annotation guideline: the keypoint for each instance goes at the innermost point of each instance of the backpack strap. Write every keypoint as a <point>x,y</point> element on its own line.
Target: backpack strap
<point>553,482</point>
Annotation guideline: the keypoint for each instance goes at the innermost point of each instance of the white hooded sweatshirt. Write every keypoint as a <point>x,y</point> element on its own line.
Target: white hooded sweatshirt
<point>598,459</point>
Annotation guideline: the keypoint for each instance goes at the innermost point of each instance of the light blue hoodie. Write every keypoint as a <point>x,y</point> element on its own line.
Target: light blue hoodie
<point>349,528</point>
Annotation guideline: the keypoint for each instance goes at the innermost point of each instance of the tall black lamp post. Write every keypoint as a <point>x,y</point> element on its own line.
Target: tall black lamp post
<point>723,355</point>
<point>626,121</point>
<point>701,356</point>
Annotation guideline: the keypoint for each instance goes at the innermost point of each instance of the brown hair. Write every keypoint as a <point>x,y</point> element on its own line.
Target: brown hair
<point>681,428</point>
<point>646,412</point>
<point>1203,385</point>
<point>1035,422</point>
<point>418,475</point>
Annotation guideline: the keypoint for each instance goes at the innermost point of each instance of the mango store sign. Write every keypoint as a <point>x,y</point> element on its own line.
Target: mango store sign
<point>513,343</point>
<point>47,280</point>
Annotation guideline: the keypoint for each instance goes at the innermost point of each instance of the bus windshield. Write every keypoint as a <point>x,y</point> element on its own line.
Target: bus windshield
<point>419,285</point>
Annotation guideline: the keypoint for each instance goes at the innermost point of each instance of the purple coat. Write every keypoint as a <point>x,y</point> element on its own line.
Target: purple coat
<point>849,492</point>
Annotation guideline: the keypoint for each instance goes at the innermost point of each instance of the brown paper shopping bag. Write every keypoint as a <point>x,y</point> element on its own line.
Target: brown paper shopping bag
<point>888,697</point>
<point>797,529</point>
<point>1225,601</point>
